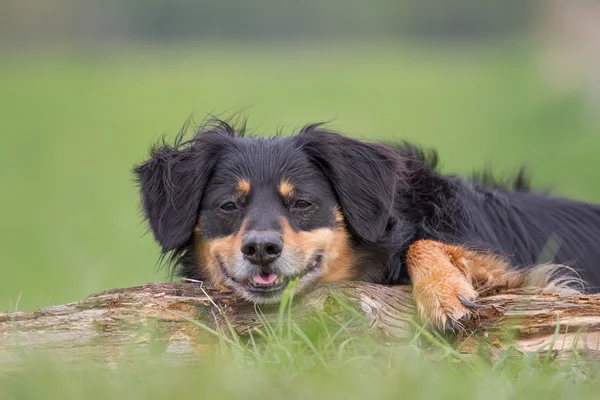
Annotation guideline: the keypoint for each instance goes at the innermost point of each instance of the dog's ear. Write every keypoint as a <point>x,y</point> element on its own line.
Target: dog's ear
<point>171,183</point>
<point>363,175</point>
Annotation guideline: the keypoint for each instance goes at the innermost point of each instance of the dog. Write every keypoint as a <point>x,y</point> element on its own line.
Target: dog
<point>254,213</point>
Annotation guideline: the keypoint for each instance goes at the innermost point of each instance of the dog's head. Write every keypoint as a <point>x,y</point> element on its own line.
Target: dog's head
<point>259,212</point>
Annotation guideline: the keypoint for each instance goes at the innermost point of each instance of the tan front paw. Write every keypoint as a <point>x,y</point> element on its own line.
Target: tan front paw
<point>446,302</point>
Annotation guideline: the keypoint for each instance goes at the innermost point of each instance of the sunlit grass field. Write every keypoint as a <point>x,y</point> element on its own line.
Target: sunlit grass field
<point>74,122</point>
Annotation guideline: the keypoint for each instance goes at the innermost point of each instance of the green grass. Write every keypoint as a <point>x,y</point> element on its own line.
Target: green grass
<point>74,122</point>
<point>405,375</point>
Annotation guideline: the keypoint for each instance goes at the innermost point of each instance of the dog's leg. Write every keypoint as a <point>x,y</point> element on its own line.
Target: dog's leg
<point>446,279</point>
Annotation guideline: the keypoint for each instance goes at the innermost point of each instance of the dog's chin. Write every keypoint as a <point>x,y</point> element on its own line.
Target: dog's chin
<point>270,288</point>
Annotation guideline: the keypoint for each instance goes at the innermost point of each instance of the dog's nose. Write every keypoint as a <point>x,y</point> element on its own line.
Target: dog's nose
<point>262,247</point>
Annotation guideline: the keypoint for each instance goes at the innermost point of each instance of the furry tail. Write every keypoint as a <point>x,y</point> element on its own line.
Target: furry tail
<point>553,279</point>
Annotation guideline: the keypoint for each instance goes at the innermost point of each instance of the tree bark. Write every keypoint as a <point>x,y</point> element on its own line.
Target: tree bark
<point>156,317</point>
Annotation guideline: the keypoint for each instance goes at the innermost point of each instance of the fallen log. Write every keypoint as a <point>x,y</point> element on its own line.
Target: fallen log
<point>157,317</point>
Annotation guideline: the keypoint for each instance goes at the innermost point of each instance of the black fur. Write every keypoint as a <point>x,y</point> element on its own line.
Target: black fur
<point>364,177</point>
<point>391,195</point>
<point>172,181</point>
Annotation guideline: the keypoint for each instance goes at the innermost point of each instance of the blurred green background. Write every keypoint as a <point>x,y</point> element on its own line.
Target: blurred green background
<point>86,87</point>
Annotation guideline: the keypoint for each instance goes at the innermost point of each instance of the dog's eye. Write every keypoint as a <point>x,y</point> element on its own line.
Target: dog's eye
<point>302,204</point>
<point>229,206</point>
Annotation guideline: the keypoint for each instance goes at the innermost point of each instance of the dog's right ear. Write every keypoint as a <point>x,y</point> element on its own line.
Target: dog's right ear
<point>364,176</point>
<point>171,183</point>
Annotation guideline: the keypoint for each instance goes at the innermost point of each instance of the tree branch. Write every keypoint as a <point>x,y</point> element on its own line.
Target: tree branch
<point>155,317</point>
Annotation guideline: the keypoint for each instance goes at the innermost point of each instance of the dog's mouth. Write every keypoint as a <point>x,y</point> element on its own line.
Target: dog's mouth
<point>266,282</point>
<point>271,284</point>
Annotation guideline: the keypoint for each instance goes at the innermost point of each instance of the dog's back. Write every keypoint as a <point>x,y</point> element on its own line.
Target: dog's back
<point>507,217</point>
<point>532,227</point>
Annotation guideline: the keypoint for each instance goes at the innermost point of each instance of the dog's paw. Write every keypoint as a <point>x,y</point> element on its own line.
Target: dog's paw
<point>445,303</point>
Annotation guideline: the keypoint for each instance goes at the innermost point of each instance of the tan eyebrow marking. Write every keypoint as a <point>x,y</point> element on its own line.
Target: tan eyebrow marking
<point>243,186</point>
<point>286,188</point>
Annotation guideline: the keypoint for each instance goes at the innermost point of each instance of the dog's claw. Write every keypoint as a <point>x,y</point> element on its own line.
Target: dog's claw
<point>452,325</point>
<point>466,302</point>
<point>465,318</point>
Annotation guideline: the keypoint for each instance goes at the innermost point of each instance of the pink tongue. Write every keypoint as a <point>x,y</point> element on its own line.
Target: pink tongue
<point>264,279</point>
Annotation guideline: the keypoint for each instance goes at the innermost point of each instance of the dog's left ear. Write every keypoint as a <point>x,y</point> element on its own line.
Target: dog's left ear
<point>171,184</point>
<point>363,175</point>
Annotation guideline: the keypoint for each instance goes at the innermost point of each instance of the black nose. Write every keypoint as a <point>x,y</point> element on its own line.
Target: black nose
<point>262,247</point>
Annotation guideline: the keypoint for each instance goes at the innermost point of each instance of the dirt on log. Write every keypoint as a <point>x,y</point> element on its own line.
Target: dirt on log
<point>139,320</point>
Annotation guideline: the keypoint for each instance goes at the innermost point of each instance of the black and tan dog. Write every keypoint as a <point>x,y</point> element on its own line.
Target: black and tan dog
<point>253,213</point>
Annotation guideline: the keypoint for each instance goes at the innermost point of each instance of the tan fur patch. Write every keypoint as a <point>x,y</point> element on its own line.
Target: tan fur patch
<point>286,189</point>
<point>339,217</point>
<point>485,271</point>
<point>442,273</point>
<point>243,186</point>
<point>438,284</point>
<point>210,251</point>
<point>338,257</point>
